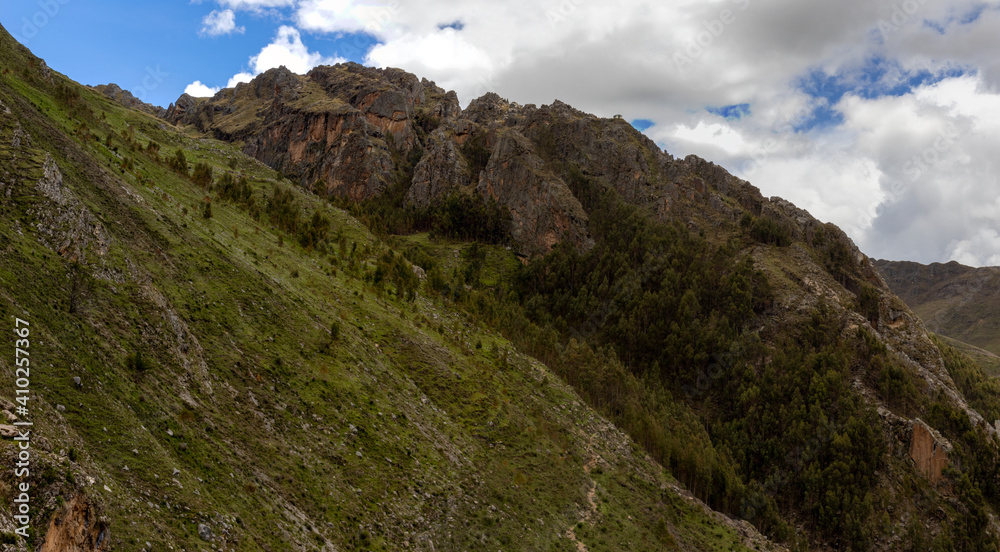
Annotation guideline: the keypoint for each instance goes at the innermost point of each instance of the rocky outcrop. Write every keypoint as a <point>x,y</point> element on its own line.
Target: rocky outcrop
<point>610,150</point>
<point>180,109</point>
<point>68,226</point>
<point>491,109</point>
<point>543,209</point>
<point>441,171</point>
<point>929,451</point>
<point>77,527</point>
<point>354,131</point>
<point>125,98</point>
<point>336,130</point>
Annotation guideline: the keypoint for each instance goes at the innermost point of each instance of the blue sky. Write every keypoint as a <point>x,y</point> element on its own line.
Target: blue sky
<point>878,115</point>
<point>126,41</point>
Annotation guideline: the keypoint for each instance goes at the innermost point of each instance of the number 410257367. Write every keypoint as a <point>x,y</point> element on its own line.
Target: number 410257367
<point>21,360</point>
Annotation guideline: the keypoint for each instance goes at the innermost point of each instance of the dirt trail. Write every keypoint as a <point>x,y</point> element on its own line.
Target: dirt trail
<point>591,511</point>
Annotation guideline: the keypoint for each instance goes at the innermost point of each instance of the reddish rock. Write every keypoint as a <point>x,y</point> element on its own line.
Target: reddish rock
<point>77,527</point>
<point>929,451</point>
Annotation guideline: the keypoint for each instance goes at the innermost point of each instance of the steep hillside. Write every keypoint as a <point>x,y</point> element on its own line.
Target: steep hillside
<point>221,360</point>
<point>954,300</point>
<point>337,311</point>
<point>749,348</point>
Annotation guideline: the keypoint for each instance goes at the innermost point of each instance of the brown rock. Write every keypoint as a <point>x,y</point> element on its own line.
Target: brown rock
<point>441,170</point>
<point>335,130</point>
<point>77,527</point>
<point>543,209</point>
<point>928,450</point>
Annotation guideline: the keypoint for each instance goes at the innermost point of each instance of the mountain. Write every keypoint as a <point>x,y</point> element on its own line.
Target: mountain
<point>216,366</point>
<point>337,311</point>
<point>125,98</point>
<point>953,300</point>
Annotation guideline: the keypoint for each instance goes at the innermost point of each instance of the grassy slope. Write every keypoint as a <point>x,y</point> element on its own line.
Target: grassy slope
<point>401,430</point>
<point>989,362</point>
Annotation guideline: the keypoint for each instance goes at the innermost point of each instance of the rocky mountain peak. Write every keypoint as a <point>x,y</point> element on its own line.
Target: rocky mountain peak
<point>126,99</point>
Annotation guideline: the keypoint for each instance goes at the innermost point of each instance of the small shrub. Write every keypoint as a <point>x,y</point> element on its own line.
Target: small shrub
<point>868,300</point>
<point>179,163</point>
<point>202,175</point>
<point>137,363</point>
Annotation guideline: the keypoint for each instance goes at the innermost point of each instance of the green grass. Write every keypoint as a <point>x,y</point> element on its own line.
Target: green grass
<point>400,430</point>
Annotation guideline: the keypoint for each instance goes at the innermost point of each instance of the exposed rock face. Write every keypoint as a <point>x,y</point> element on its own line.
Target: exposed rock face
<point>69,228</point>
<point>125,98</point>
<point>335,129</point>
<point>179,110</point>
<point>19,137</point>
<point>441,170</point>
<point>352,131</point>
<point>543,208</point>
<point>929,451</point>
<point>77,527</point>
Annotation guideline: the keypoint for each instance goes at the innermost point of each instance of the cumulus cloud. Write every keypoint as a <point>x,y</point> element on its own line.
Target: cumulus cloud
<point>220,22</point>
<point>199,90</point>
<point>238,78</point>
<point>287,49</point>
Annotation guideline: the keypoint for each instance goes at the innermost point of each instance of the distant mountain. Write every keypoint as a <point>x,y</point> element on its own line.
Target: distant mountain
<point>126,99</point>
<point>953,300</point>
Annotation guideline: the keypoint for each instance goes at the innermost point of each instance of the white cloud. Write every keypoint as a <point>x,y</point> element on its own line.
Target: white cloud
<point>351,16</point>
<point>445,53</point>
<point>199,90</point>
<point>220,22</point>
<point>287,49</point>
<point>970,251</point>
<point>238,78</point>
